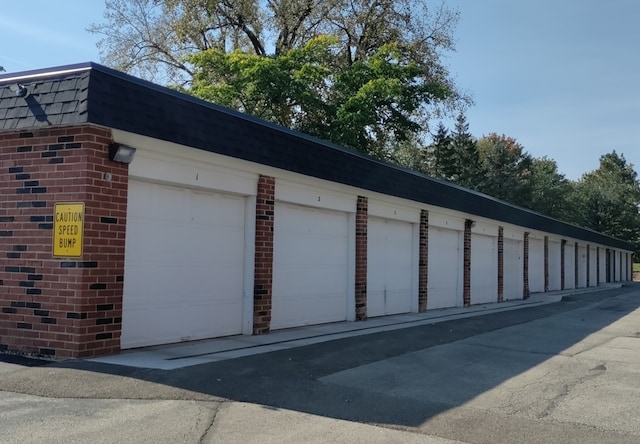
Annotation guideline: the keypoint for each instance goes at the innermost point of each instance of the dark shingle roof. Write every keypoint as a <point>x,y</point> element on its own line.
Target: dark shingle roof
<point>91,93</point>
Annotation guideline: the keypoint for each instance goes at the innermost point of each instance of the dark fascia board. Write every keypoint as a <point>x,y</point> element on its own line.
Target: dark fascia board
<point>120,101</point>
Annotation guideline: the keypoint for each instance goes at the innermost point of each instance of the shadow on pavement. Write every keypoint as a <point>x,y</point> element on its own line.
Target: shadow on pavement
<point>290,379</point>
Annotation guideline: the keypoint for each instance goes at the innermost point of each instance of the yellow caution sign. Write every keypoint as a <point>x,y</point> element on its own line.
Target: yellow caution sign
<point>68,229</point>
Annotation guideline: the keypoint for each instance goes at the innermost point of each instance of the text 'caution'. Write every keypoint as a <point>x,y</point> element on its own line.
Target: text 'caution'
<point>68,229</point>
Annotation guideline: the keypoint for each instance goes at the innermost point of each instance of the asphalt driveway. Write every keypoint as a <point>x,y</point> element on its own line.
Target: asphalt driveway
<point>564,372</point>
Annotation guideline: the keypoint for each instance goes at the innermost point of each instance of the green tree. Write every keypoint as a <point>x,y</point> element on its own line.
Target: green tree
<point>549,189</point>
<point>464,149</point>
<point>440,161</point>
<point>505,169</point>
<point>151,37</point>
<point>607,199</point>
<point>370,106</point>
<point>362,73</point>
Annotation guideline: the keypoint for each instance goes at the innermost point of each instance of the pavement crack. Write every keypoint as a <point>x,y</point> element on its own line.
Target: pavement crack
<point>216,410</point>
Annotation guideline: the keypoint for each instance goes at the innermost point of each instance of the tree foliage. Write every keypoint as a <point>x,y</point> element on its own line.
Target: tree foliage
<point>366,74</point>
<point>504,169</point>
<point>549,190</point>
<point>150,38</point>
<point>370,106</point>
<point>607,199</point>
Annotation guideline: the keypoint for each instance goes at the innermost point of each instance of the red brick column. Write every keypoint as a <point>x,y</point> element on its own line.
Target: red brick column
<point>61,306</point>
<point>263,272</point>
<point>562,244</point>
<point>466,293</point>
<point>576,264</point>
<point>525,265</point>
<point>362,219</point>
<point>500,264</point>
<point>423,273</point>
<point>546,264</point>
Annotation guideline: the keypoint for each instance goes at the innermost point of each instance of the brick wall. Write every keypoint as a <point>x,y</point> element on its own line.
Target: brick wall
<point>66,307</point>
<point>423,262</point>
<point>263,273</point>
<point>362,219</point>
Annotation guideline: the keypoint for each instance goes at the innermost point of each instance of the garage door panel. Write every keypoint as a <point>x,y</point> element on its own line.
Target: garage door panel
<point>484,270</point>
<point>304,279</point>
<point>569,266</point>
<point>389,267</point>
<point>310,268</point>
<point>443,268</point>
<point>536,265</point>
<point>184,265</point>
<point>554,266</point>
<point>513,270</point>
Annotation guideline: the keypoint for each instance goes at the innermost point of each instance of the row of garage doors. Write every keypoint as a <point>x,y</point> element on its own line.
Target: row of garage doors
<point>187,253</point>
<point>186,266</point>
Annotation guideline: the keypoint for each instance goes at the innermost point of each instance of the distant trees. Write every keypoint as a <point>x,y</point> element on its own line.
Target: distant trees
<point>606,200</point>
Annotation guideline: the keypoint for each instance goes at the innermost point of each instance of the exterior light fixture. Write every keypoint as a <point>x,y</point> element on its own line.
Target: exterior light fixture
<point>121,153</point>
<point>19,90</point>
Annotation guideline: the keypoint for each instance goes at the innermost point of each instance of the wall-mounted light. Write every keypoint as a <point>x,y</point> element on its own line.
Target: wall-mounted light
<point>19,90</point>
<point>121,153</point>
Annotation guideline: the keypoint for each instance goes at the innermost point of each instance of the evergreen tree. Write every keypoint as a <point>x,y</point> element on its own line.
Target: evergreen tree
<point>439,160</point>
<point>464,151</point>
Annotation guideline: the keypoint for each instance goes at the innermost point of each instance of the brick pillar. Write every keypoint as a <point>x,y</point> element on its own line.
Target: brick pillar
<point>263,272</point>
<point>576,264</point>
<point>525,270</point>
<point>63,306</point>
<point>466,293</point>
<point>562,244</point>
<point>423,273</point>
<point>588,265</point>
<point>597,266</point>
<point>500,264</point>
<point>362,219</point>
<point>546,264</point>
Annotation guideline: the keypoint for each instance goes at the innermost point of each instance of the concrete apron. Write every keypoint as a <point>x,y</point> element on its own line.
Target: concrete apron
<point>174,356</point>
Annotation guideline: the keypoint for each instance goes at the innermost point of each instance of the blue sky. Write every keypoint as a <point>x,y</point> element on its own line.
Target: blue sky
<point>560,76</point>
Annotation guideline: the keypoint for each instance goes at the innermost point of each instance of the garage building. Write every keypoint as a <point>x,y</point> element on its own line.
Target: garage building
<point>222,224</point>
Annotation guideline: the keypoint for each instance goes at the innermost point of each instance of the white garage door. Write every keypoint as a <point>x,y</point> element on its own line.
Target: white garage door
<point>184,265</point>
<point>484,269</point>
<point>569,266</point>
<point>536,265</point>
<point>582,266</point>
<point>310,266</point>
<point>603,264</point>
<point>513,284</point>
<point>444,288</point>
<point>554,266</point>
<point>390,259</point>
